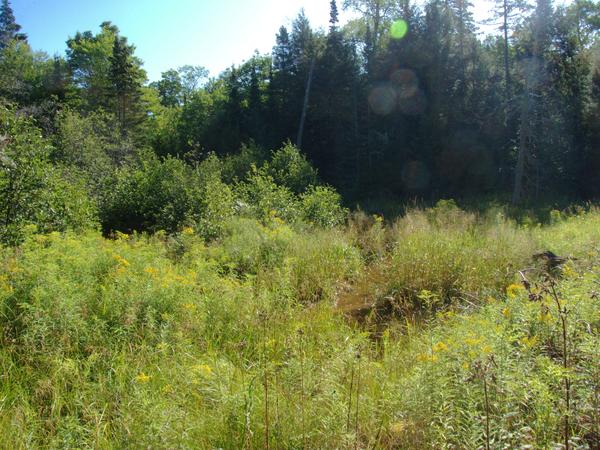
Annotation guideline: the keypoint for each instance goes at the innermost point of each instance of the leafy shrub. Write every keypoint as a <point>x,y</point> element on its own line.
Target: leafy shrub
<point>32,191</point>
<point>64,203</point>
<point>321,205</point>
<point>150,197</point>
<point>168,195</point>
<point>236,167</point>
<point>288,167</point>
<point>264,200</point>
<point>93,143</point>
<point>212,199</point>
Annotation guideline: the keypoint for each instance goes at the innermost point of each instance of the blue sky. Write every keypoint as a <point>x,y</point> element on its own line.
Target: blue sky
<point>171,33</point>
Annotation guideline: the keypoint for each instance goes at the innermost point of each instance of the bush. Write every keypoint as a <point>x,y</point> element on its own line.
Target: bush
<point>321,206</point>
<point>264,200</point>
<point>288,167</point>
<point>238,166</point>
<point>151,197</point>
<point>32,191</point>
<point>93,143</point>
<point>212,199</point>
<point>168,195</point>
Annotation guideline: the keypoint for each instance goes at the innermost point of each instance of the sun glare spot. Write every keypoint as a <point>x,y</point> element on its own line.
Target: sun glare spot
<point>399,29</point>
<point>383,98</point>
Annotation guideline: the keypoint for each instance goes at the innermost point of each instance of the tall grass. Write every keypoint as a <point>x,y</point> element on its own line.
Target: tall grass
<point>170,342</point>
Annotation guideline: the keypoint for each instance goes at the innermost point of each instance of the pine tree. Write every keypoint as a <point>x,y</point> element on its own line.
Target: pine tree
<point>334,106</point>
<point>9,28</point>
<point>508,13</point>
<point>126,85</point>
<point>333,17</point>
<point>282,52</point>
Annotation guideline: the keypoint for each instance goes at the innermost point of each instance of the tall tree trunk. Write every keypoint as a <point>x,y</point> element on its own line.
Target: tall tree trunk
<point>523,155</point>
<point>533,75</point>
<point>506,62</point>
<point>305,105</point>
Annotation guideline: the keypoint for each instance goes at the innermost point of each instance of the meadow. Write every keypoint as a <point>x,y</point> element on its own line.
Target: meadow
<point>435,330</point>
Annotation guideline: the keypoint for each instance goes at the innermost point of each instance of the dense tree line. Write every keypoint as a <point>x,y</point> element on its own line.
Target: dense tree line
<point>405,101</point>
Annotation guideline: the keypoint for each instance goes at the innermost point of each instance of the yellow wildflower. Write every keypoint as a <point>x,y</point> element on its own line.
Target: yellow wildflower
<point>204,370</point>
<point>189,231</point>
<point>514,290</point>
<point>151,271</point>
<point>569,272</point>
<point>398,428</point>
<point>529,342</point>
<point>142,378</point>
<point>122,261</point>
<point>121,236</point>
<point>440,347</point>
<point>506,312</point>
<point>426,357</point>
<point>545,317</point>
<point>472,341</point>
<point>486,349</point>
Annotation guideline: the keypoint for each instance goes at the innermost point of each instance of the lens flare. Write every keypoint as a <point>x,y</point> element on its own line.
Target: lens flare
<point>383,98</point>
<point>411,99</point>
<point>399,29</point>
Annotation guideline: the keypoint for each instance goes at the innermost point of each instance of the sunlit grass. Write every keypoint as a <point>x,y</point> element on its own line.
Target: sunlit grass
<point>170,342</point>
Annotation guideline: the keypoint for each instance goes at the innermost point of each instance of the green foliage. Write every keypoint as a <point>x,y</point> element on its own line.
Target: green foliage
<point>126,77</point>
<point>265,200</point>
<point>167,195</point>
<point>64,204</point>
<point>169,88</point>
<point>92,143</point>
<point>9,28</point>
<point>237,166</point>
<point>288,167</point>
<point>88,56</point>
<point>213,200</point>
<point>321,205</point>
<point>32,191</point>
<point>151,197</point>
<point>23,73</point>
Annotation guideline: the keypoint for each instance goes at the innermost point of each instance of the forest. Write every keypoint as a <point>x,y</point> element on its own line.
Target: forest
<point>381,235</point>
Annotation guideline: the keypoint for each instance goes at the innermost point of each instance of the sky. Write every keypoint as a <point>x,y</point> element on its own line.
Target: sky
<point>171,33</point>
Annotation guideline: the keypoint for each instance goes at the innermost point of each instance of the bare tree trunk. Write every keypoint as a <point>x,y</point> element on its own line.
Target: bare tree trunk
<point>376,24</point>
<point>305,105</point>
<point>506,62</point>
<point>522,156</point>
